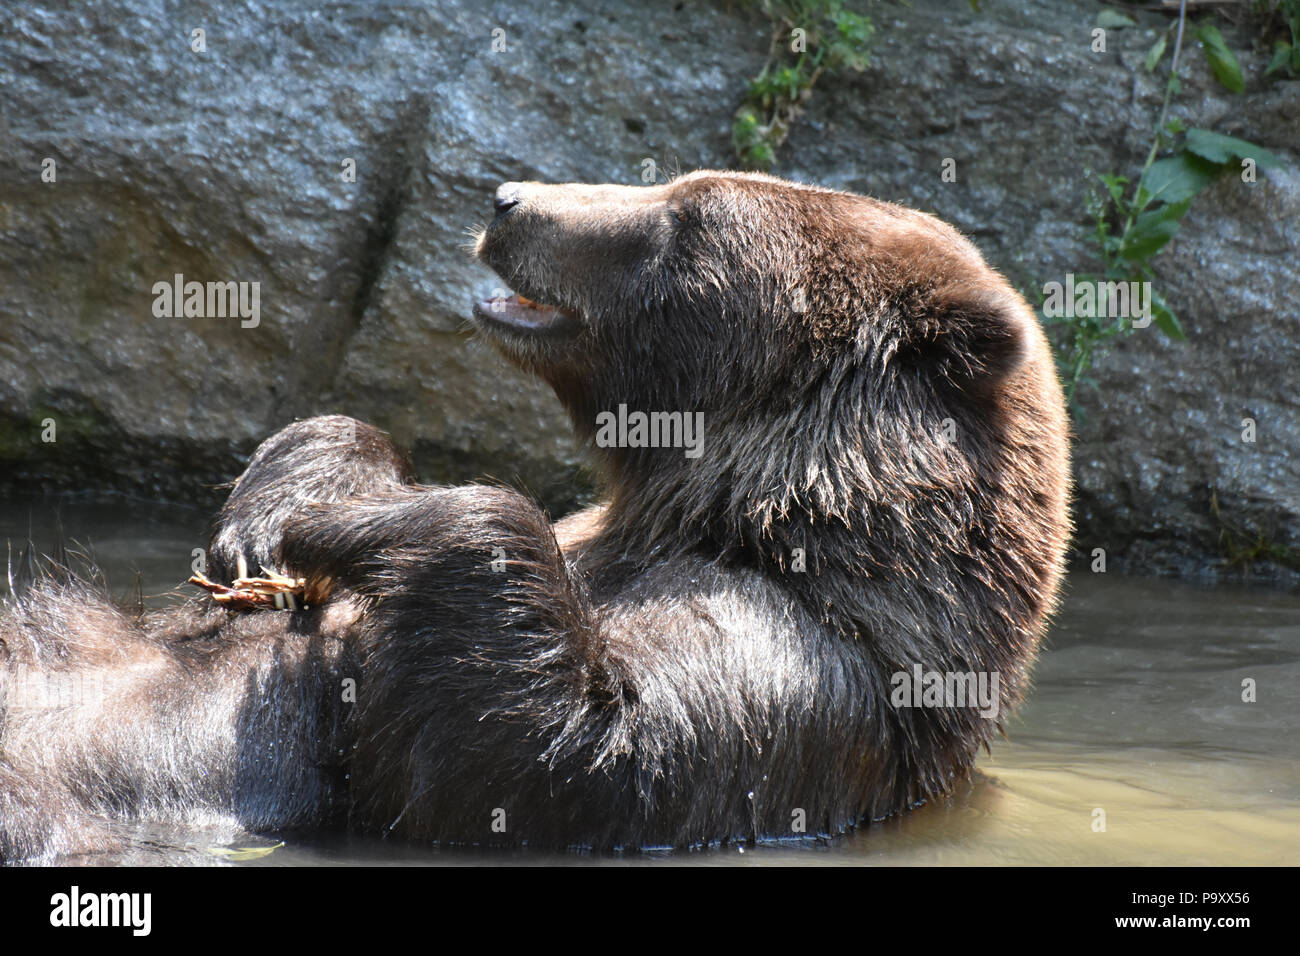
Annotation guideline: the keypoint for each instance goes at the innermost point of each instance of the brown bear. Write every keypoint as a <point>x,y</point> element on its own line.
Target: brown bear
<point>834,453</point>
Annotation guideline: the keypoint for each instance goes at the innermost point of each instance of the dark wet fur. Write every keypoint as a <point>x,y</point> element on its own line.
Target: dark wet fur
<point>653,672</point>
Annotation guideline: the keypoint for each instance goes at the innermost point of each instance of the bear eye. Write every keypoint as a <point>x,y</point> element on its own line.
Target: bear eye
<point>679,214</point>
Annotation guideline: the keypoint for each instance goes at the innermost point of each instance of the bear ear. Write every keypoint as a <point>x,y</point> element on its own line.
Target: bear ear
<point>976,337</point>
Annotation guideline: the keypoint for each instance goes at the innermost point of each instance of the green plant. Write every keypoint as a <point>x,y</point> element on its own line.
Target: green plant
<point>1256,546</point>
<point>1131,226</point>
<point>1281,22</point>
<point>809,38</point>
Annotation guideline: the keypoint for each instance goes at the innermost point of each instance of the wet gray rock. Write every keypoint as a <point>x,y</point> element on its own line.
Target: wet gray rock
<point>227,165</point>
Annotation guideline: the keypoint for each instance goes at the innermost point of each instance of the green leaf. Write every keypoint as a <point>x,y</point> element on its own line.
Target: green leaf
<point>1222,62</point>
<point>1218,148</point>
<point>1175,179</point>
<point>1114,185</point>
<point>786,82</point>
<point>760,155</point>
<point>1281,58</point>
<point>1156,52</point>
<point>1165,319</point>
<point>1152,230</point>
<point>1114,20</point>
<point>853,28</point>
<point>1290,11</point>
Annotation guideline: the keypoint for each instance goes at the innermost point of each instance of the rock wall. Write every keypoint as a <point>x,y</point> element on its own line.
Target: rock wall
<point>228,165</point>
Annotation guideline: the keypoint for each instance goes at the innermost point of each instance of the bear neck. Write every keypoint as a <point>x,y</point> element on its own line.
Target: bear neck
<point>878,523</point>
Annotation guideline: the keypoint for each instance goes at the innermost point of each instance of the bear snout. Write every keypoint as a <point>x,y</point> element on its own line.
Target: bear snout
<point>507,197</point>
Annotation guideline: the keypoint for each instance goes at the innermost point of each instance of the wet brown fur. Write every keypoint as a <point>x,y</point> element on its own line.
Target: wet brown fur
<point>653,671</point>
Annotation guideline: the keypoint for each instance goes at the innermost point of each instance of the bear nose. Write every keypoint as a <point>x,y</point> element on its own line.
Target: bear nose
<point>507,197</point>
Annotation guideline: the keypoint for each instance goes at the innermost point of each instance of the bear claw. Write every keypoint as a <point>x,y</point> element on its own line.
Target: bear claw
<point>272,589</point>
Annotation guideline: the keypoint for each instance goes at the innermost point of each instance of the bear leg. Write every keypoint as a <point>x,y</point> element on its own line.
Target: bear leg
<point>316,461</point>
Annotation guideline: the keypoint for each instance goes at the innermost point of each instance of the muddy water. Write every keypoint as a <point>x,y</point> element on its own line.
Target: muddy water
<point>1137,712</point>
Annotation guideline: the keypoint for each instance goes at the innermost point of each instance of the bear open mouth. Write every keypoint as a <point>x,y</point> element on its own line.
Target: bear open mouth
<point>519,315</point>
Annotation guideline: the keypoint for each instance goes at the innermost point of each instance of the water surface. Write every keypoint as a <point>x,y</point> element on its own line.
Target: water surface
<point>1137,711</point>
